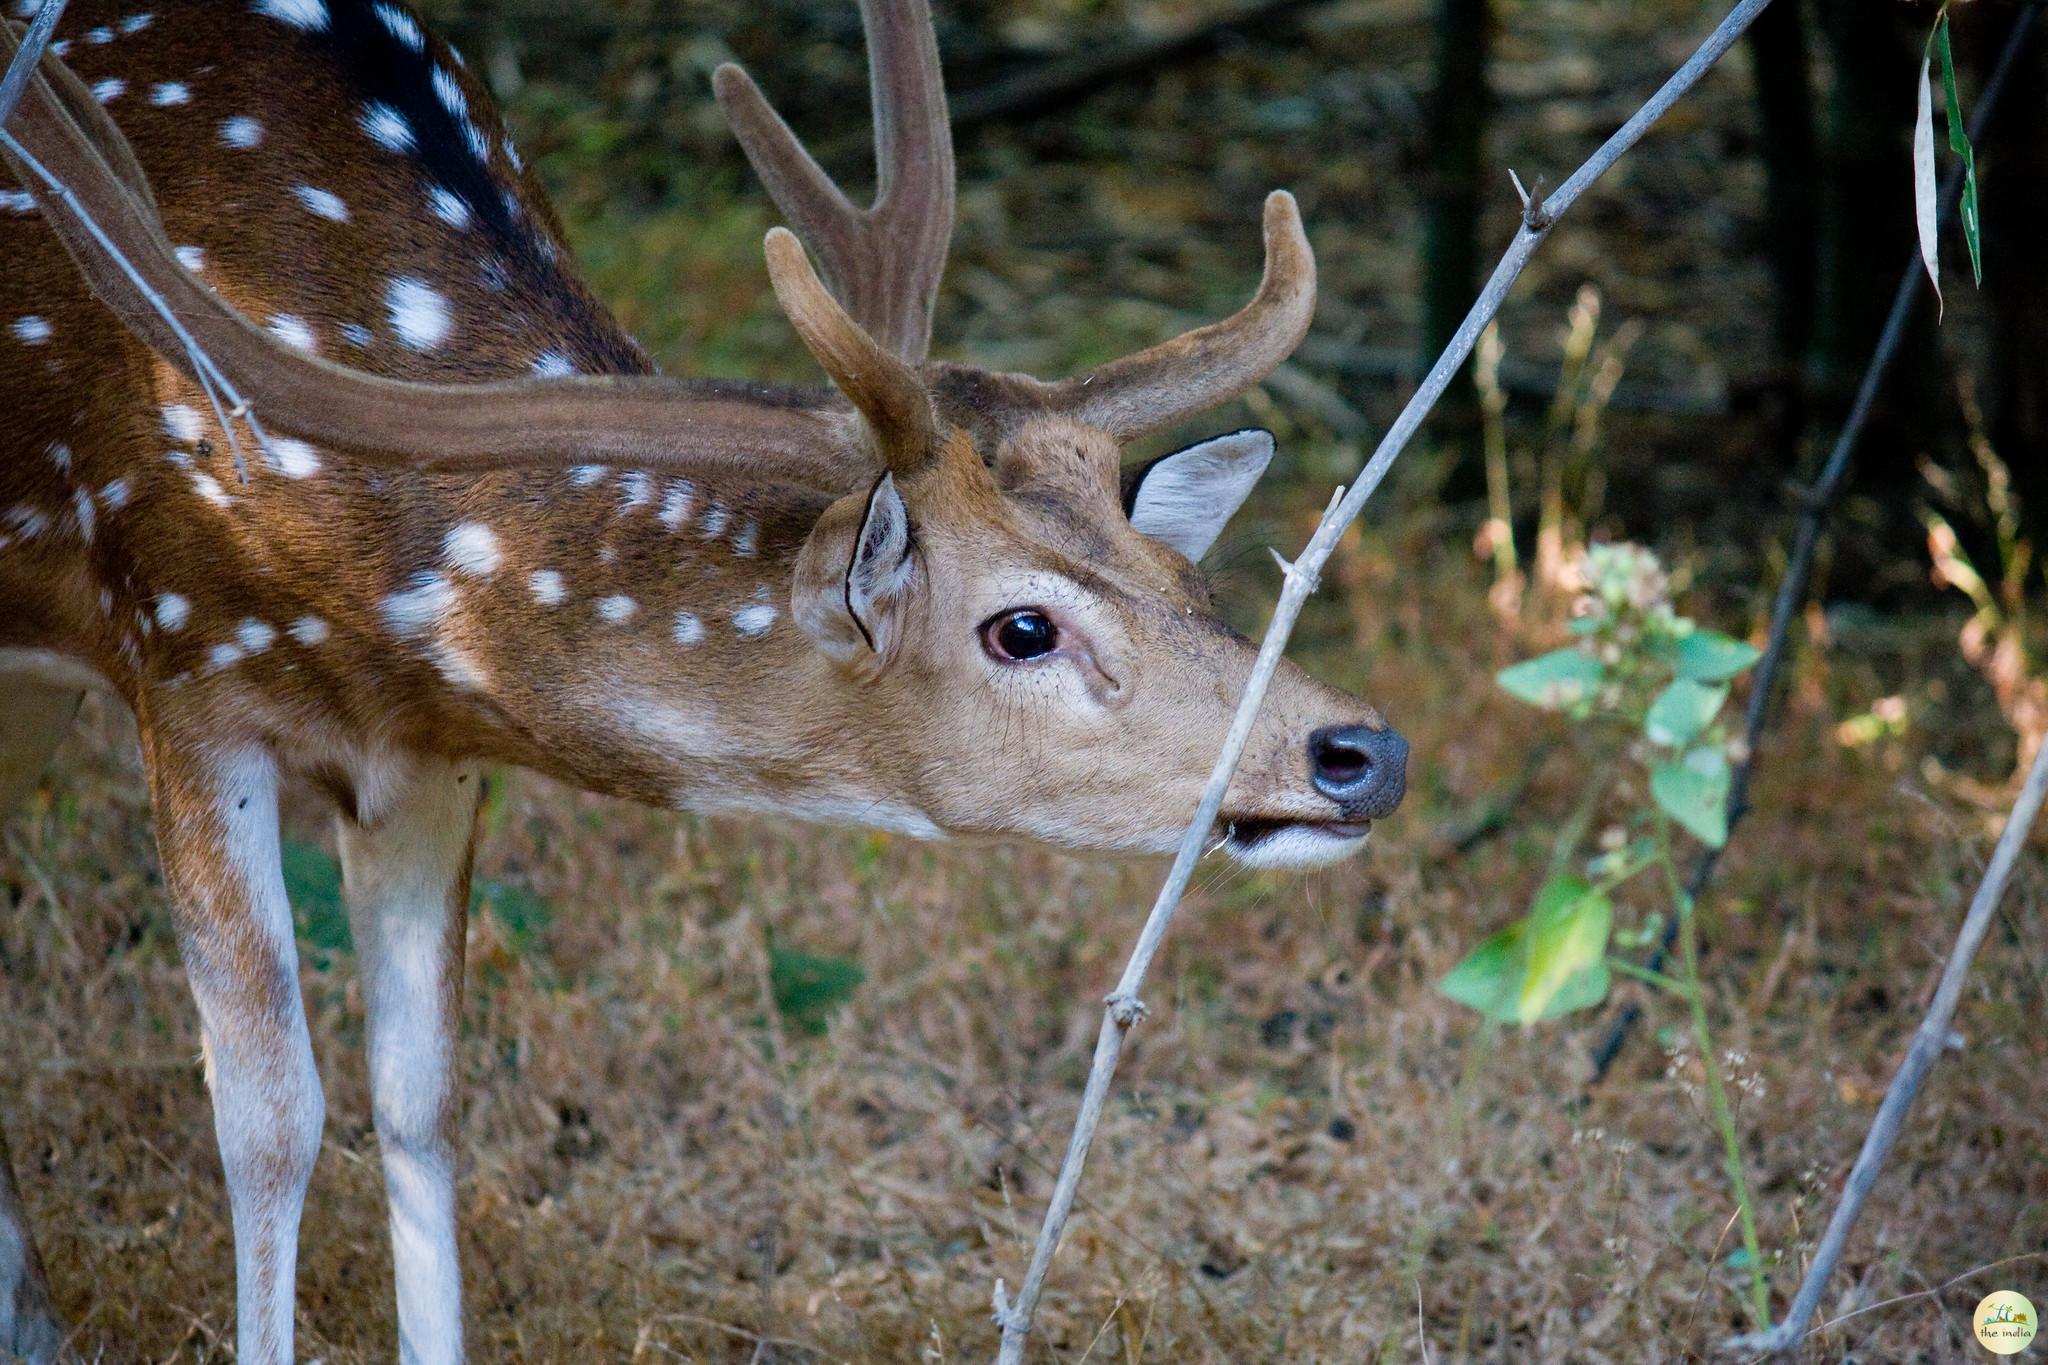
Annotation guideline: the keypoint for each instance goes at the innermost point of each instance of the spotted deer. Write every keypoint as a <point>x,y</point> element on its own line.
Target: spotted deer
<point>394,498</point>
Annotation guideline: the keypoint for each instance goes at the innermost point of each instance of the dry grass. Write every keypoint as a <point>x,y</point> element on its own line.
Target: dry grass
<point>1308,1147</point>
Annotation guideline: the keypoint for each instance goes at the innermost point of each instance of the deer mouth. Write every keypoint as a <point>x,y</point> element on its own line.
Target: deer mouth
<point>1268,842</point>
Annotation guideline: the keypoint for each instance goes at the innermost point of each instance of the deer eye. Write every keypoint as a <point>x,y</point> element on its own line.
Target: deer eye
<point>1017,636</point>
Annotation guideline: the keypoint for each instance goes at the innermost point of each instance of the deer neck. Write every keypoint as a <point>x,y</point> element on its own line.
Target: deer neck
<point>625,630</point>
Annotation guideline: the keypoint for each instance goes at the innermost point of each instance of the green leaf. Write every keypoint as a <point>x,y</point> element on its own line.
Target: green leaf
<point>1709,656</point>
<point>807,987</point>
<point>1682,711</point>
<point>1551,963</point>
<point>1693,790</point>
<point>1567,935</point>
<point>1959,143</point>
<point>1559,679</point>
<point>1925,192</point>
<point>1490,978</point>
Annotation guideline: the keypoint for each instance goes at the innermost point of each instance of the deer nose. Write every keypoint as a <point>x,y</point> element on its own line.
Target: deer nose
<point>1363,770</point>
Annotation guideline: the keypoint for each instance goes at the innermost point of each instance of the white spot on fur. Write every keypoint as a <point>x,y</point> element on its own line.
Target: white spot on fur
<point>17,201</point>
<point>254,636</point>
<point>100,36</point>
<point>223,656</point>
<point>28,522</point>
<point>746,539</point>
<point>754,621</point>
<point>241,132</point>
<point>675,505</point>
<point>295,459</point>
<point>546,586</point>
<point>448,90</point>
<point>689,630</point>
<point>387,127</point>
<point>418,314</point>
<point>81,505</point>
<point>417,607</point>
<point>512,155</point>
<point>401,26</point>
<point>714,520</point>
<point>636,488</point>
<point>109,89</point>
<point>191,257</point>
<point>308,630</point>
<point>31,330</point>
<point>584,475</point>
<point>356,335</point>
<point>172,610</point>
<point>472,548</point>
<point>454,663</point>
<point>208,487</point>
<point>114,495</point>
<point>449,207</point>
<point>182,423</point>
<point>550,364</point>
<point>170,94</point>
<point>308,16</point>
<point>135,23</point>
<point>294,332</point>
<point>60,456</point>
<point>322,203</point>
<point>617,608</point>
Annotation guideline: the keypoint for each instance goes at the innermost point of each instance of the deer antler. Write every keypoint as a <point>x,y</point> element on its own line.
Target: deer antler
<point>1174,380</point>
<point>884,262</point>
<point>886,390</point>
<point>94,195</point>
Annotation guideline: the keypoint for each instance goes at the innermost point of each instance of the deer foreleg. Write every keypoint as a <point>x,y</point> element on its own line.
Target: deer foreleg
<point>216,817</point>
<point>407,875</point>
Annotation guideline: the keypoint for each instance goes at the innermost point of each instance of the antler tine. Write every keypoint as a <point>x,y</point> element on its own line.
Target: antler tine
<point>69,154</point>
<point>1176,379</point>
<point>884,262</point>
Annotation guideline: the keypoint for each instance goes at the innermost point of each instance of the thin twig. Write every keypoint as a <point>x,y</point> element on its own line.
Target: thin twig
<point>1815,504</point>
<point>32,45</point>
<point>1927,1046</point>
<point>1123,1008</point>
<point>226,401</point>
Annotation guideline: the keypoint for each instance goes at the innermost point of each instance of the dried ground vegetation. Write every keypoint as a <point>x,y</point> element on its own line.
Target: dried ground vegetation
<point>741,1092</point>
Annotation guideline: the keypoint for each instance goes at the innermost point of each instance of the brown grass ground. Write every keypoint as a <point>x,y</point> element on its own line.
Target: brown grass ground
<point>1311,1156</point>
<point>1309,1150</point>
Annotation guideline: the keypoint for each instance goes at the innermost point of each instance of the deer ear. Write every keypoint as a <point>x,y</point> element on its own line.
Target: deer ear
<point>854,576</point>
<point>1186,498</point>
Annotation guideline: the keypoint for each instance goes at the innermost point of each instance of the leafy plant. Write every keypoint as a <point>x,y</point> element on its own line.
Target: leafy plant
<point>1646,690</point>
<point>809,987</point>
<point>1926,195</point>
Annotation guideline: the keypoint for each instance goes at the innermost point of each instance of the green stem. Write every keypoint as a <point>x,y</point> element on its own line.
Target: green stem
<point>1717,1093</point>
<point>1621,964</point>
<point>1574,831</point>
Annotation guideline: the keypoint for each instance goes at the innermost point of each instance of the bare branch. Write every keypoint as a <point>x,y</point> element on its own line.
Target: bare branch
<point>1123,1008</point>
<point>1927,1047</point>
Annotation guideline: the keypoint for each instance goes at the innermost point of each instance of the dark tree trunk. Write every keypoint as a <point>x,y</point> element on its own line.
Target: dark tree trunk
<point>2012,168</point>
<point>1459,106</point>
<point>1784,97</point>
<point>1867,237</point>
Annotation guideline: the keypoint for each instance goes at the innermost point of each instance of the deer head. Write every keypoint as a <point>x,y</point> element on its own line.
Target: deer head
<point>992,627</point>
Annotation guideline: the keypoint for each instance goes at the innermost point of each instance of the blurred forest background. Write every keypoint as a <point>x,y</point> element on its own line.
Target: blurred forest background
<point>740,1092</point>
